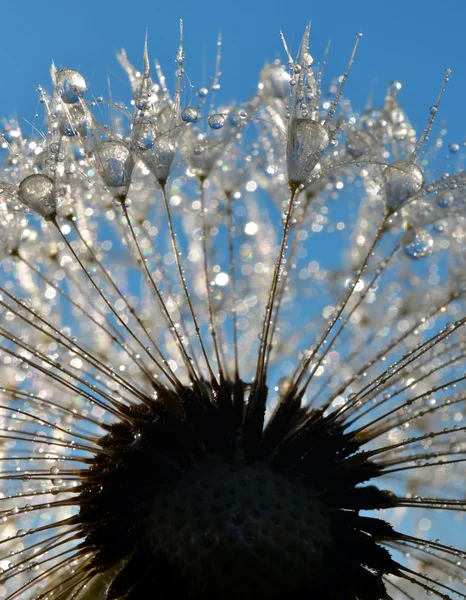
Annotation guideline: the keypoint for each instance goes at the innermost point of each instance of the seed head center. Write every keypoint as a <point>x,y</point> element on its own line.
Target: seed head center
<point>244,529</point>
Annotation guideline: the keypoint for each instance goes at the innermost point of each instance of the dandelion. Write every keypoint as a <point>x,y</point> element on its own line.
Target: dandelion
<point>232,344</point>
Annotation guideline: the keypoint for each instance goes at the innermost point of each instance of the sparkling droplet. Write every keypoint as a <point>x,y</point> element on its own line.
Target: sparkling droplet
<point>238,118</point>
<point>403,180</point>
<point>283,386</point>
<point>190,115</point>
<point>115,163</point>
<point>453,148</point>
<point>400,131</point>
<point>216,121</point>
<point>37,193</point>
<point>73,122</point>
<point>142,103</point>
<point>395,86</point>
<point>70,85</point>
<point>143,137</point>
<point>418,244</point>
<point>307,141</point>
<point>159,159</point>
<point>445,198</point>
<point>202,92</point>
<point>359,143</point>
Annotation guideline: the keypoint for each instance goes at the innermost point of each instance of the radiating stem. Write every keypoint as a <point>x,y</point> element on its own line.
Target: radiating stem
<point>231,263</point>
<point>184,329</point>
<point>185,287</point>
<point>172,326</point>
<point>114,336</point>
<point>255,412</point>
<point>210,311</point>
<point>172,380</point>
<point>261,371</point>
<point>350,314</point>
<point>302,369</point>
<point>282,288</point>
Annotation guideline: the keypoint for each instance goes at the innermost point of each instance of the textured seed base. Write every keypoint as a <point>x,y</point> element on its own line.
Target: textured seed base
<point>244,531</point>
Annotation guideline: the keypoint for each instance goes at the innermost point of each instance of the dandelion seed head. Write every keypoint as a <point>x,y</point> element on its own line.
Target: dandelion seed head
<point>231,342</point>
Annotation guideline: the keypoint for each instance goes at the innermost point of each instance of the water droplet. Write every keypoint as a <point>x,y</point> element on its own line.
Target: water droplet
<point>307,141</point>
<point>283,386</point>
<point>160,158</point>
<point>202,92</point>
<point>37,193</point>
<point>453,148</point>
<point>216,121</point>
<point>70,85</point>
<point>418,244</point>
<point>445,198</point>
<point>359,143</point>
<point>142,103</point>
<point>190,115</point>
<point>115,163</point>
<point>143,137</point>
<point>403,180</point>
<point>238,118</point>
<point>395,86</point>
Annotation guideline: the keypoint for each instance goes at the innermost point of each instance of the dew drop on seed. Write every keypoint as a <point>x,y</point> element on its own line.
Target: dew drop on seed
<point>216,121</point>
<point>143,137</point>
<point>142,103</point>
<point>37,193</point>
<point>445,198</point>
<point>70,85</point>
<point>115,164</point>
<point>190,115</point>
<point>402,180</point>
<point>418,244</point>
<point>307,141</point>
<point>359,143</point>
<point>238,118</point>
<point>283,386</point>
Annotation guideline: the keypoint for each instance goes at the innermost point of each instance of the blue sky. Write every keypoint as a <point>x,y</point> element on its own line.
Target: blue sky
<point>410,40</point>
